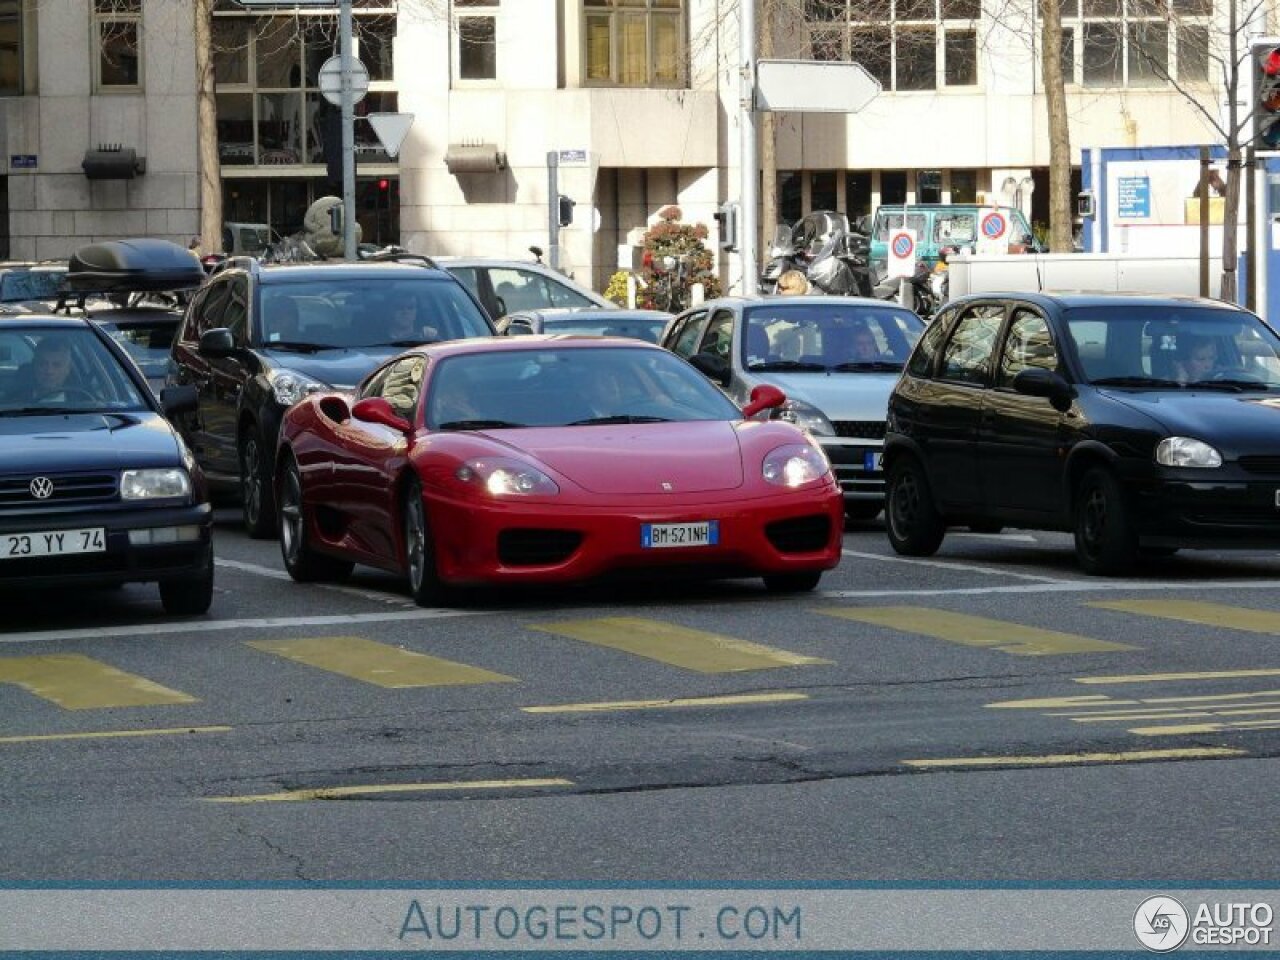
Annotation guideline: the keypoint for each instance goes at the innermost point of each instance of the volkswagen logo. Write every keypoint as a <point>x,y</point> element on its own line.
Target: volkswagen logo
<point>41,488</point>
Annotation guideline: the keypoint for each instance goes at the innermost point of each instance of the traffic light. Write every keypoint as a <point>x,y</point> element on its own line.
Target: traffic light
<point>1266,94</point>
<point>564,209</point>
<point>384,184</point>
<point>727,219</point>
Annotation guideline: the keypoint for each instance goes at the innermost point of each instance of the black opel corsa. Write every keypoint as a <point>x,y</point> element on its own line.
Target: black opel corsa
<point>95,486</point>
<point>1140,423</point>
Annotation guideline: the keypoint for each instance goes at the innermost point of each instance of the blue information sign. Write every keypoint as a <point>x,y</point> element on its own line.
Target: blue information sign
<point>22,161</point>
<point>1135,197</point>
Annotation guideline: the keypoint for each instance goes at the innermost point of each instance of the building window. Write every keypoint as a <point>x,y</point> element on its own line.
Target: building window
<point>1135,43</point>
<point>857,193</point>
<point>477,39</point>
<point>267,74</point>
<point>117,31</point>
<point>964,186</point>
<point>905,44</point>
<point>10,48</point>
<point>634,43</point>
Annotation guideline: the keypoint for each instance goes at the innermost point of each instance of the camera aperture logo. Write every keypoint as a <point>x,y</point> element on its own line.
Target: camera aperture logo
<point>1161,924</point>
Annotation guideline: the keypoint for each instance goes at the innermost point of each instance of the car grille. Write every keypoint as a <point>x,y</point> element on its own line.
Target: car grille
<point>535,548</point>
<point>800,534</point>
<point>860,429</point>
<point>75,488</point>
<point>1263,463</point>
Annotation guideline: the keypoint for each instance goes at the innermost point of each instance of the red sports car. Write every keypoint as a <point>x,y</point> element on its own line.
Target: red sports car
<point>550,460</point>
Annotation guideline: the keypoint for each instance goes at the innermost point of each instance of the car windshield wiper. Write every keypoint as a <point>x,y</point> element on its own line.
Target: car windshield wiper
<point>1236,386</point>
<point>787,365</point>
<point>1136,382</point>
<point>479,425</point>
<point>874,366</point>
<point>299,346</point>
<point>618,418</point>
<point>51,411</point>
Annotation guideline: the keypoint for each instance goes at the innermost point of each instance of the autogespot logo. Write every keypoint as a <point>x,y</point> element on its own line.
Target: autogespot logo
<point>1161,924</point>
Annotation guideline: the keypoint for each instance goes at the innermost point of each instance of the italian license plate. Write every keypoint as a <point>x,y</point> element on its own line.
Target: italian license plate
<point>52,543</point>
<point>702,534</point>
<point>873,460</point>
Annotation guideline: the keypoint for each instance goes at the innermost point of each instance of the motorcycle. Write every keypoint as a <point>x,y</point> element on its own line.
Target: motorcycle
<point>821,245</point>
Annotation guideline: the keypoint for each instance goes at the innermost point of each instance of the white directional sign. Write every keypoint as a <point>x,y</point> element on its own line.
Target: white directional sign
<point>331,80</point>
<point>391,129</point>
<point>808,85</point>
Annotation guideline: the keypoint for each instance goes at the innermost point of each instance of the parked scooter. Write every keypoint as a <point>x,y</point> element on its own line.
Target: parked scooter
<point>823,247</point>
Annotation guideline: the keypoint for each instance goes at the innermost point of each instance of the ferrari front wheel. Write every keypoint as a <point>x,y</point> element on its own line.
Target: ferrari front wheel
<point>420,551</point>
<point>302,562</point>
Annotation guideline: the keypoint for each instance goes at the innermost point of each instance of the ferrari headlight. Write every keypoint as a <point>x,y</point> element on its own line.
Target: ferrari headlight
<point>805,416</point>
<point>154,484</point>
<point>1186,452</point>
<point>502,477</point>
<point>289,386</point>
<point>795,465</point>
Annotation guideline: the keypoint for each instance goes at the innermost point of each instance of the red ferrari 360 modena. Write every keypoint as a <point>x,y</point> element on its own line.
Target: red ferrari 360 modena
<point>550,460</point>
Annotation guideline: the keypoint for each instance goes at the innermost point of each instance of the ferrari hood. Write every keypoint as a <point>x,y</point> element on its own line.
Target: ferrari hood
<point>695,457</point>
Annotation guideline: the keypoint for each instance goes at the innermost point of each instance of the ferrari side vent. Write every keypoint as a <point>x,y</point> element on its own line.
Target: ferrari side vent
<point>536,548</point>
<point>799,534</point>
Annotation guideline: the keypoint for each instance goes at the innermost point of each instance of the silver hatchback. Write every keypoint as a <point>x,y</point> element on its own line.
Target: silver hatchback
<point>836,358</point>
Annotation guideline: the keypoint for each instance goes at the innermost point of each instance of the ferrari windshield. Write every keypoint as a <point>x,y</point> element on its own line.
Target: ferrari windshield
<point>570,386</point>
<point>1164,346</point>
<point>46,370</point>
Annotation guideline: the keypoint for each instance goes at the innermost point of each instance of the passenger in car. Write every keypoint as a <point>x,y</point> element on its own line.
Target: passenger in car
<point>47,376</point>
<point>1197,356</point>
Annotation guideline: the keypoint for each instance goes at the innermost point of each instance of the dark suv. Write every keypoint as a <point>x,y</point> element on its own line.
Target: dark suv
<point>259,337</point>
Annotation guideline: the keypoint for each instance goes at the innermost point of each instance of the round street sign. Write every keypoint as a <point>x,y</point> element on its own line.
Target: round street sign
<point>903,245</point>
<point>994,225</point>
<point>330,82</point>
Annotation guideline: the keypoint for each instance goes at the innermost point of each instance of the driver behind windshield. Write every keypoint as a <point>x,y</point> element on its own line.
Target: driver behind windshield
<point>49,373</point>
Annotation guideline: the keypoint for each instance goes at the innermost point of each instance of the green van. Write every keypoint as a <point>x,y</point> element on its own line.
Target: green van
<point>939,225</point>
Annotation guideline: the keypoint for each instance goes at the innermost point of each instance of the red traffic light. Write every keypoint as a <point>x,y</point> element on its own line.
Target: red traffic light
<point>384,184</point>
<point>1269,62</point>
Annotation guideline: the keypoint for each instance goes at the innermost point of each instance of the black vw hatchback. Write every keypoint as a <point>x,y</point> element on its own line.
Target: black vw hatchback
<point>1140,423</point>
<point>95,486</point>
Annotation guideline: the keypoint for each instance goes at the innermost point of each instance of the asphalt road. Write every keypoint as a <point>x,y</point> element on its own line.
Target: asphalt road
<point>989,714</point>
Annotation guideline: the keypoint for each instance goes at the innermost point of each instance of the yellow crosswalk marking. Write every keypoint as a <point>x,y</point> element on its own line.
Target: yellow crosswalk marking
<point>679,646</point>
<point>730,700</point>
<point>373,789</point>
<point>76,682</point>
<point>113,734</point>
<point>1176,677</point>
<point>1199,612</point>
<point>1058,703</point>
<point>1055,759</point>
<point>378,663</point>
<point>973,631</point>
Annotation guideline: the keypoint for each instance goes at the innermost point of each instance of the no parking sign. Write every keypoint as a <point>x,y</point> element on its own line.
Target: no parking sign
<point>993,232</point>
<point>902,253</point>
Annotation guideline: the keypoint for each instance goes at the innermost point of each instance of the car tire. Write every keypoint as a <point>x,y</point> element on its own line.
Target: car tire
<point>192,595</point>
<point>792,582</point>
<point>257,499</point>
<point>914,526</point>
<point>861,511</point>
<point>1106,541</point>
<point>303,564</point>
<point>419,549</point>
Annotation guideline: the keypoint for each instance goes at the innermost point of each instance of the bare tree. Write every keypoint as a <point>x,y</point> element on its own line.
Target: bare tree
<point>1060,219</point>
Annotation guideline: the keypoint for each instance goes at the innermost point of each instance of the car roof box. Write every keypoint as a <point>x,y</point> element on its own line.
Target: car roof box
<point>132,266</point>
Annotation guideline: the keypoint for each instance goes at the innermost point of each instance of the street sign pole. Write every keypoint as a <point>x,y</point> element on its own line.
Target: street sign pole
<point>348,136</point>
<point>749,217</point>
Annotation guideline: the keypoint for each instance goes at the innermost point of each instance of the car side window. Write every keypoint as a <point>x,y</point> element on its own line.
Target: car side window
<point>191,322</point>
<point>1027,344</point>
<point>922,360</point>
<point>564,296</point>
<point>235,315</point>
<point>719,336</point>
<point>519,289</point>
<point>468,277</point>
<point>402,385</point>
<point>215,303</point>
<point>967,356</point>
<point>686,336</point>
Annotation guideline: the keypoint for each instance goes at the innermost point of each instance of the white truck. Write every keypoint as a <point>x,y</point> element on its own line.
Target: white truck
<point>1094,272</point>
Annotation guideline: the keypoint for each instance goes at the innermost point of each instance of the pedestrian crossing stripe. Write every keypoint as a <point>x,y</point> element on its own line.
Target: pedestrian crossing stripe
<point>378,663</point>
<point>970,631</point>
<point>76,682</point>
<point>683,647</point>
<point>1199,612</point>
